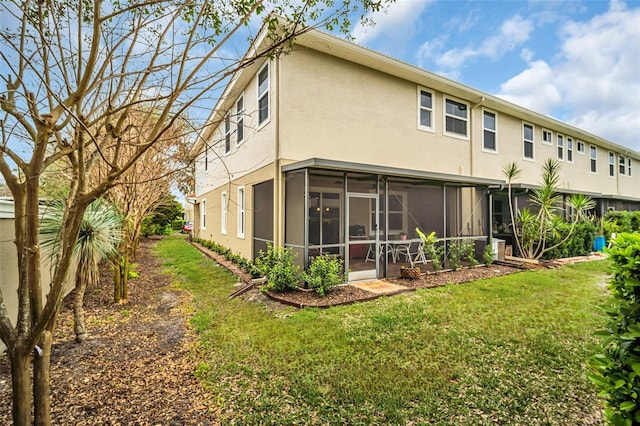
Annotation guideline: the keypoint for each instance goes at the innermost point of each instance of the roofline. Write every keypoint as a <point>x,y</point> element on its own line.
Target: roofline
<point>595,195</point>
<point>321,163</point>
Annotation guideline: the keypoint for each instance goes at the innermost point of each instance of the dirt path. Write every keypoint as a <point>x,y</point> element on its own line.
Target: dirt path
<point>135,368</point>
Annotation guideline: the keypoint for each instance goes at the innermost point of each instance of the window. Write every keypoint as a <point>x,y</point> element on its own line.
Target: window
<point>629,166</point>
<point>560,147</point>
<point>206,157</point>
<point>425,109</point>
<point>622,165</point>
<point>612,164</point>
<point>569,150</point>
<point>580,147</point>
<point>263,94</point>
<point>240,120</point>
<point>527,135</point>
<point>547,137</point>
<point>203,214</point>
<point>455,117</point>
<point>489,131</point>
<point>593,154</point>
<point>227,134</point>
<point>223,213</point>
<point>241,215</point>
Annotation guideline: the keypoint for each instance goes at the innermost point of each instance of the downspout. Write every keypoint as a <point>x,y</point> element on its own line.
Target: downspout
<point>278,237</point>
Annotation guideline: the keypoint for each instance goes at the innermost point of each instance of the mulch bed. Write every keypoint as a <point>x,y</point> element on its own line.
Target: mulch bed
<point>456,277</point>
<point>137,365</point>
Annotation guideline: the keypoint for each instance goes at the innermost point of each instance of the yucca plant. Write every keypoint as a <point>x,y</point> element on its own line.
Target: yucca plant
<point>533,230</point>
<point>99,236</point>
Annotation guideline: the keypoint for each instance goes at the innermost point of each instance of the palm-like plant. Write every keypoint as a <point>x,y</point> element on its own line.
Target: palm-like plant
<point>532,230</point>
<point>99,236</point>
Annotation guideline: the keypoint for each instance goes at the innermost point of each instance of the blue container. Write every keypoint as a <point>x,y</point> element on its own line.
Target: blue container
<point>599,243</point>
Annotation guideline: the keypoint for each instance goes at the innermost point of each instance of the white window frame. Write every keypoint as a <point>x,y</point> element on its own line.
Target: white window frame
<point>224,202</point>
<point>206,157</point>
<point>629,166</point>
<point>203,214</point>
<point>580,144</point>
<point>495,131</point>
<point>260,95</point>
<point>612,164</point>
<point>455,117</point>
<point>240,137</point>
<point>593,159</point>
<point>241,203</point>
<point>569,149</point>
<point>622,165</point>
<point>546,132</point>
<point>532,142</point>
<point>560,145</point>
<point>421,108</point>
<point>226,127</point>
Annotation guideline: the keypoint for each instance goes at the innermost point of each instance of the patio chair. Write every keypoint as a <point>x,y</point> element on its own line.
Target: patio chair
<point>418,255</point>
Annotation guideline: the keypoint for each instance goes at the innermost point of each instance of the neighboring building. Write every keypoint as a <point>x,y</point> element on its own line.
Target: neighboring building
<point>328,144</point>
<point>9,264</point>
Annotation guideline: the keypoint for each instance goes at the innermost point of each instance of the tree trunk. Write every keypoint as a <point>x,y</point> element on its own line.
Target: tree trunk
<point>21,387</point>
<point>42,380</point>
<point>78,309</point>
<point>121,278</point>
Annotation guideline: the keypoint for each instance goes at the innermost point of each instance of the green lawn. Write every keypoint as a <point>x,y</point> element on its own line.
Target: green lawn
<point>508,350</point>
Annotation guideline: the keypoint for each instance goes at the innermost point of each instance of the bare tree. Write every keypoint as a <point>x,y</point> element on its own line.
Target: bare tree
<point>73,72</point>
<point>143,188</point>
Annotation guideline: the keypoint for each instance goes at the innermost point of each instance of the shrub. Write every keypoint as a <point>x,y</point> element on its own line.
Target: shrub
<point>176,224</point>
<point>278,265</point>
<point>579,244</point>
<point>487,255</point>
<point>324,273</point>
<point>617,366</point>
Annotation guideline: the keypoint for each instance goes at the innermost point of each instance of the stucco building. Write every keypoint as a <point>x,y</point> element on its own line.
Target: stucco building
<point>336,148</point>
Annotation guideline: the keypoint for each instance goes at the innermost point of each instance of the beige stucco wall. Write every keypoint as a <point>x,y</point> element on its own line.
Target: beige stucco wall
<point>213,198</point>
<point>9,265</point>
<point>337,110</point>
<point>333,109</point>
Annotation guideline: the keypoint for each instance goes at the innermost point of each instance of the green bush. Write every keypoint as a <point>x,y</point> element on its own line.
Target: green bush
<point>580,243</point>
<point>487,255</point>
<point>324,273</point>
<point>278,265</point>
<point>176,224</point>
<point>243,263</point>
<point>617,367</point>
<point>621,221</point>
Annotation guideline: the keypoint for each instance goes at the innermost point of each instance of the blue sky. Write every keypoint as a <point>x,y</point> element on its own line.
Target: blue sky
<point>577,61</point>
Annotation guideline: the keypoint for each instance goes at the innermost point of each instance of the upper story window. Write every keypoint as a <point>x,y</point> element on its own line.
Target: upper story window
<point>580,147</point>
<point>612,164</point>
<point>206,157</point>
<point>489,127</point>
<point>560,140</point>
<point>240,120</point>
<point>547,137</point>
<point>263,94</point>
<point>593,156</point>
<point>527,137</point>
<point>569,150</point>
<point>425,109</point>
<point>629,166</point>
<point>455,117</point>
<point>227,134</point>
<point>622,165</point>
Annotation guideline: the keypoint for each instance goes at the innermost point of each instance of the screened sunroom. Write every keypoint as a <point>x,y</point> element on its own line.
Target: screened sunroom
<point>368,215</point>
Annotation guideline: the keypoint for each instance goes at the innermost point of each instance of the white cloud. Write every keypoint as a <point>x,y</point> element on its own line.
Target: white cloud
<point>400,15</point>
<point>533,88</point>
<point>596,76</point>
<point>513,33</point>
